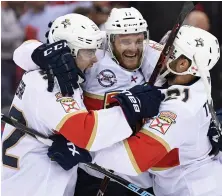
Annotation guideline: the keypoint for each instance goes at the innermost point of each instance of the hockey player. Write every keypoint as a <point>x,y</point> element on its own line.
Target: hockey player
<point>174,145</point>
<point>129,61</point>
<point>25,160</point>
<point>128,40</point>
<point>179,154</point>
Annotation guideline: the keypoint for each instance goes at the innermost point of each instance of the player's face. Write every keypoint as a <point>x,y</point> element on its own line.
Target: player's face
<point>128,50</point>
<point>179,65</point>
<point>86,58</point>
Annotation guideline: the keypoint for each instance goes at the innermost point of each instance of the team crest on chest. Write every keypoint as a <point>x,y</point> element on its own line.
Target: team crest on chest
<point>106,78</point>
<point>68,103</point>
<point>163,121</point>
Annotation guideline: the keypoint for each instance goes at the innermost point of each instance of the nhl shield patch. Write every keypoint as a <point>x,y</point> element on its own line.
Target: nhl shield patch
<point>68,103</point>
<point>163,121</point>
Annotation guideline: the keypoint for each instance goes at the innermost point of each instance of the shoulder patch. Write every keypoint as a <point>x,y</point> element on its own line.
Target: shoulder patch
<point>68,103</point>
<point>163,121</point>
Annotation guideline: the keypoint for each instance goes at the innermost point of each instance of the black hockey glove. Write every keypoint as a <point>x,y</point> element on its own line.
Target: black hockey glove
<point>58,62</point>
<point>139,102</point>
<point>213,135</point>
<point>66,154</point>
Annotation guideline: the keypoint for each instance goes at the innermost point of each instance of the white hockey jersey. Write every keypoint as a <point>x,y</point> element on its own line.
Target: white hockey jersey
<point>107,78</point>
<point>25,160</point>
<point>173,146</point>
<point>27,170</point>
<point>103,80</point>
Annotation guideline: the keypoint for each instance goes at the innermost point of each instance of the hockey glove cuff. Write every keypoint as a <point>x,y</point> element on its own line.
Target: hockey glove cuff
<point>141,101</point>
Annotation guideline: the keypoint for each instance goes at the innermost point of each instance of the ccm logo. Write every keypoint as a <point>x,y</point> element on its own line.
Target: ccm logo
<point>130,25</point>
<point>133,101</point>
<point>56,47</point>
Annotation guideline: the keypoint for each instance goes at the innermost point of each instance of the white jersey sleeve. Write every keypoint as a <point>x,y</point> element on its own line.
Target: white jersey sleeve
<point>22,55</point>
<point>69,116</point>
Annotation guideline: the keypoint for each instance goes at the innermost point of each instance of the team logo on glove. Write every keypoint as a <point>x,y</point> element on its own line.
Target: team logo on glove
<point>163,121</point>
<point>68,103</point>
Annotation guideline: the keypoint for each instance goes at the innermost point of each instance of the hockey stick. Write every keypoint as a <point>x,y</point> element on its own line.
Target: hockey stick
<point>37,135</point>
<point>118,179</point>
<point>42,138</point>
<point>167,50</point>
<point>103,185</point>
<point>200,61</point>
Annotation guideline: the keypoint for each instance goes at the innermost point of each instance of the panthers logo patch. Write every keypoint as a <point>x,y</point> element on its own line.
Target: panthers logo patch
<point>163,121</point>
<point>68,103</point>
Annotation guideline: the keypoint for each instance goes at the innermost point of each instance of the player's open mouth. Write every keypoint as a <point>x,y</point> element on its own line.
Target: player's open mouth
<point>130,56</point>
